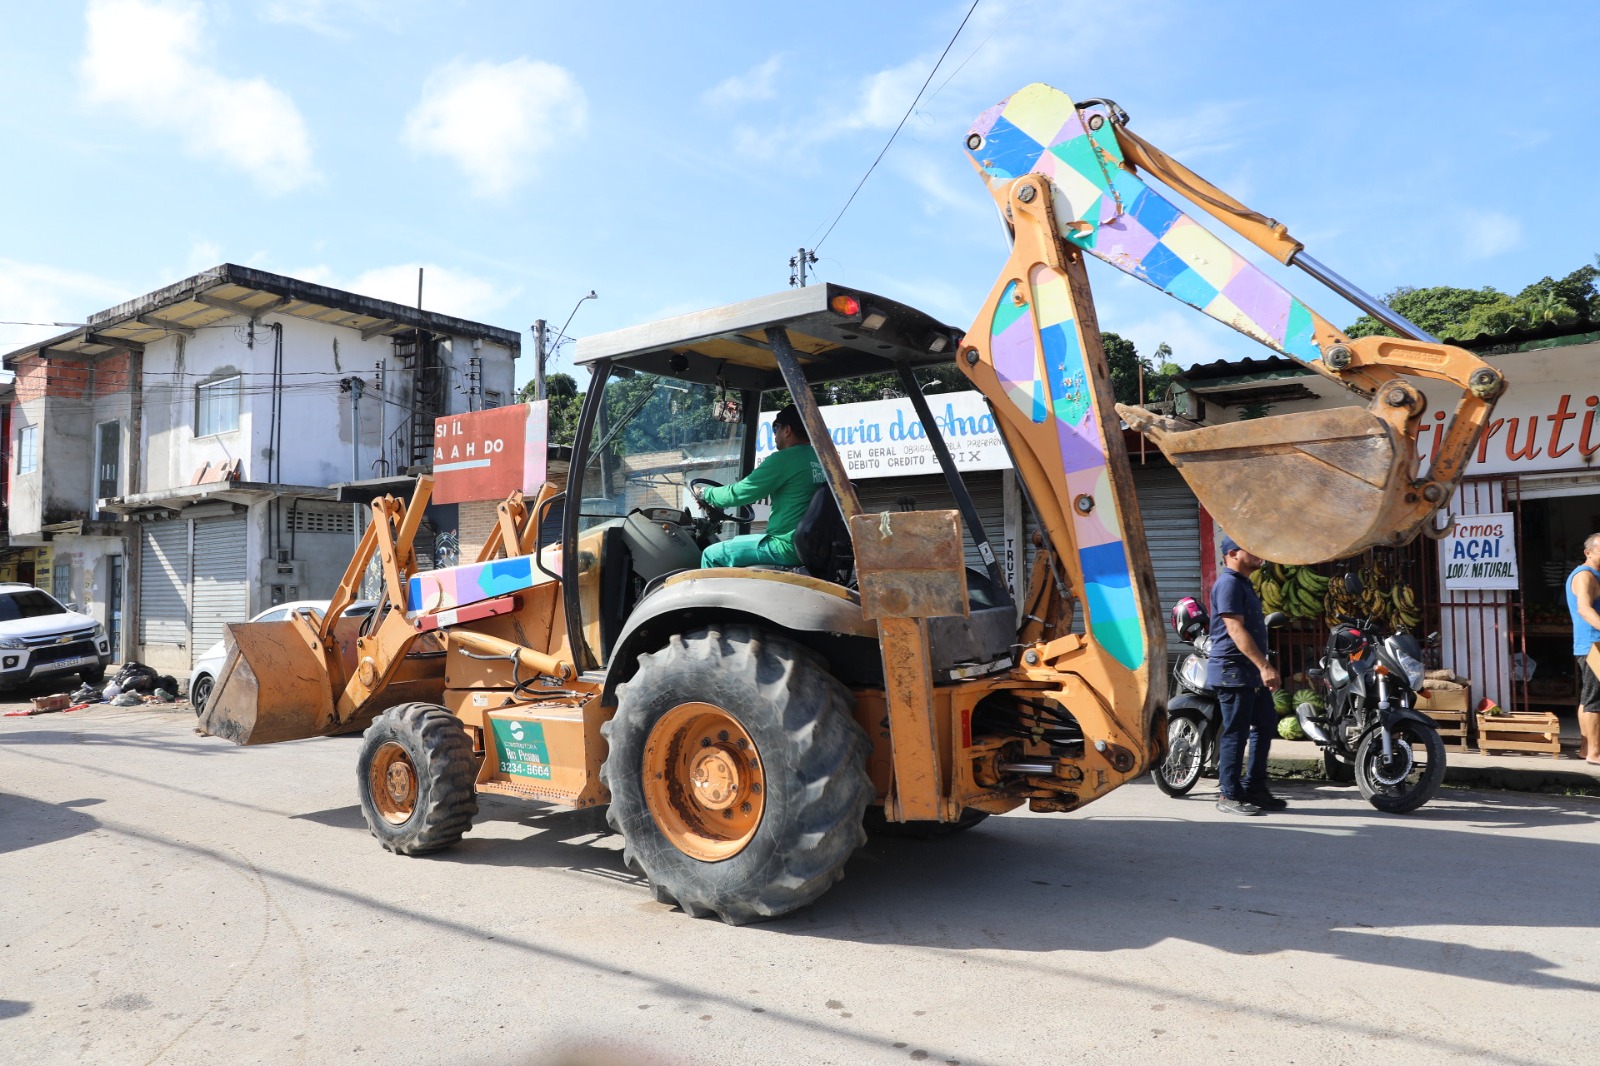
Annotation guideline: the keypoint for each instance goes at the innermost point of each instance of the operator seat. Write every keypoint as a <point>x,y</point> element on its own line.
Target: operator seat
<point>823,541</point>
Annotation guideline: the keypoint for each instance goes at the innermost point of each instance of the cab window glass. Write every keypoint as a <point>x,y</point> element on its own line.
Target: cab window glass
<point>651,438</point>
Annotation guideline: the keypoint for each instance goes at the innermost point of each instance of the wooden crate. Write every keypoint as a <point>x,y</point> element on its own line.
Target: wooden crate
<point>1521,733</point>
<point>1449,712</point>
<point>60,701</point>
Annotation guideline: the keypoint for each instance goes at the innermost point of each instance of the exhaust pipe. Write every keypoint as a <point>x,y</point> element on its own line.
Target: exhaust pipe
<point>1313,730</point>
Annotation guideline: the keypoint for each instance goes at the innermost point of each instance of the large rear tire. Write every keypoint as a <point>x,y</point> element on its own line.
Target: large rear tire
<point>415,775</point>
<point>737,774</point>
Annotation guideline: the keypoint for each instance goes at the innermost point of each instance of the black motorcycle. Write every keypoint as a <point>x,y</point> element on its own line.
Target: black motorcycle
<point>1369,729</point>
<point>1193,716</point>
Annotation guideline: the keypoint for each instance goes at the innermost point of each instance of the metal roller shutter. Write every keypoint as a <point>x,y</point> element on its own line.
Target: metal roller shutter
<point>1172,526</point>
<point>221,588</point>
<point>163,580</point>
<point>932,494</point>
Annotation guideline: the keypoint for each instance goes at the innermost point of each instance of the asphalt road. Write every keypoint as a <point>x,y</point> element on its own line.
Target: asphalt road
<point>173,899</point>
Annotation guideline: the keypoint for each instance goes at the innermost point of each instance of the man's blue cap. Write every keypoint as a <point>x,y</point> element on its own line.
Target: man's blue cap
<point>1228,545</point>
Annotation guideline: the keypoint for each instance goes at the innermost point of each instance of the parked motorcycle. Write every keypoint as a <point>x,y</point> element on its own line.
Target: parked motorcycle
<point>1193,716</point>
<point>1370,730</point>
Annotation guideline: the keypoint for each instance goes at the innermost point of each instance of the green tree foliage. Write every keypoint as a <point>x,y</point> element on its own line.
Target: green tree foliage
<point>1126,366</point>
<point>565,403</point>
<point>1571,302</point>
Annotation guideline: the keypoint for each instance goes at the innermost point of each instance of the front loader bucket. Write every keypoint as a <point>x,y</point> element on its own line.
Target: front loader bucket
<point>1301,488</point>
<point>272,687</point>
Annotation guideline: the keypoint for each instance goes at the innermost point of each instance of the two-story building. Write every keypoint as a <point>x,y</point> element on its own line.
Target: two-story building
<point>177,453</point>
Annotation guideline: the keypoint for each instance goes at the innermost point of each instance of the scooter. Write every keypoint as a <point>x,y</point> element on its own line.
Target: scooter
<point>1193,715</point>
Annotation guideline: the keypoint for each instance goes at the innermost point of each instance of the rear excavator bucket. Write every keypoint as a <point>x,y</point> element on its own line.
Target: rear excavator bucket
<point>1299,488</point>
<point>273,686</point>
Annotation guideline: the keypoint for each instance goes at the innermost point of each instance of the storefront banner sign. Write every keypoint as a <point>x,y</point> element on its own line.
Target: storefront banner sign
<point>883,438</point>
<point>486,455</point>
<point>1480,553</point>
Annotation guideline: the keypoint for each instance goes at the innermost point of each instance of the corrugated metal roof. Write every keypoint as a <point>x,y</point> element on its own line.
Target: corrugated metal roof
<point>229,291</point>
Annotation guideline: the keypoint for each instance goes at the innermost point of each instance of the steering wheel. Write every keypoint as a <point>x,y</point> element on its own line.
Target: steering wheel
<point>741,515</point>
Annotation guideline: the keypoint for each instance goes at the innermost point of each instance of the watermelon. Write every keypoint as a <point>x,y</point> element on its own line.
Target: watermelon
<point>1305,695</point>
<point>1281,702</point>
<point>1289,728</point>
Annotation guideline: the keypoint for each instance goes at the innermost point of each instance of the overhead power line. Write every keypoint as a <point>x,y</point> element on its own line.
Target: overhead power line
<point>902,123</point>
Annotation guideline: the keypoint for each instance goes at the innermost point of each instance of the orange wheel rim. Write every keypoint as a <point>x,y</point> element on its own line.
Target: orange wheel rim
<point>703,781</point>
<point>393,783</point>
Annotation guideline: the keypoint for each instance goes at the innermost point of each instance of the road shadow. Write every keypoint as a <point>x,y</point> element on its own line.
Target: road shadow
<point>26,822</point>
<point>13,1008</point>
<point>1362,890</point>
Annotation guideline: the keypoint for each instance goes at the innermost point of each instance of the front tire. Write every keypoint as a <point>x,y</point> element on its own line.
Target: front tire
<point>93,676</point>
<point>1187,755</point>
<point>1410,778</point>
<point>737,774</point>
<point>415,775</point>
<point>200,693</point>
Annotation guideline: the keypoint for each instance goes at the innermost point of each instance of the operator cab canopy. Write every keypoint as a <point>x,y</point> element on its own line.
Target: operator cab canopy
<point>836,332</point>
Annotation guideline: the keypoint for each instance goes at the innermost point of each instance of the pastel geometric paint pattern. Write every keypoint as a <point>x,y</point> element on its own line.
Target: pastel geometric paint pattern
<point>1109,212</point>
<point>1048,381</point>
<point>432,591</point>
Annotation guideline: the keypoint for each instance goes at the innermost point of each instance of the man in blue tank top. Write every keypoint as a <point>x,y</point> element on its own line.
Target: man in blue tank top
<point>1583,601</point>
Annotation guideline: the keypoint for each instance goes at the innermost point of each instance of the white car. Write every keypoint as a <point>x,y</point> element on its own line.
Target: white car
<point>207,667</point>
<point>40,638</point>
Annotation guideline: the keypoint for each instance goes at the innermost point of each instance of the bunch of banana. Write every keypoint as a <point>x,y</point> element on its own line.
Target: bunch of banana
<point>1405,613</point>
<point>1297,591</point>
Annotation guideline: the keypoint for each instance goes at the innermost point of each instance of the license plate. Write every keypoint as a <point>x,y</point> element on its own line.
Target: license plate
<point>81,660</point>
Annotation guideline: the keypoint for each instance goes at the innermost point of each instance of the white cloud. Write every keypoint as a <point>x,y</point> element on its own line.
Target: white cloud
<point>324,16</point>
<point>496,121</point>
<point>145,59</point>
<point>56,299</point>
<point>203,255</point>
<point>754,84</point>
<point>1486,234</point>
<point>447,291</point>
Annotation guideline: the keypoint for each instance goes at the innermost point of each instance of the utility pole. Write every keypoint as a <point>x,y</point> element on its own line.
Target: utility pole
<point>354,386</point>
<point>797,267</point>
<point>538,359</point>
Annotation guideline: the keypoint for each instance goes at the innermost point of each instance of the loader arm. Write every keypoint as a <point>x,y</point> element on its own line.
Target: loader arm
<point>1294,488</point>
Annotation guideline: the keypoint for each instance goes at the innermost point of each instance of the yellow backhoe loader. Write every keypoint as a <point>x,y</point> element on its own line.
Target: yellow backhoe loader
<point>743,725</point>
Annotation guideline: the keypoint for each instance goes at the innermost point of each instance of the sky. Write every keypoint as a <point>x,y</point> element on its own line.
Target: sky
<point>674,156</point>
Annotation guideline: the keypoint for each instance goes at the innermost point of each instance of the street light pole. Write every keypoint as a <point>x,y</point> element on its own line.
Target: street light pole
<point>540,349</point>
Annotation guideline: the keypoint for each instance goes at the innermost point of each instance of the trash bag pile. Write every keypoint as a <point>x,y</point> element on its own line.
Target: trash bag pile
<point>133,685</point>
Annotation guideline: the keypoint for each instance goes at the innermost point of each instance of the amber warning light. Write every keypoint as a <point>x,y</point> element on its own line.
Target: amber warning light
<point>845,304</point>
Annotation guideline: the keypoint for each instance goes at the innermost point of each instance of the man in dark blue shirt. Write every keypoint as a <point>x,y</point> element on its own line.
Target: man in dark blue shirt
<point>1238,669</point>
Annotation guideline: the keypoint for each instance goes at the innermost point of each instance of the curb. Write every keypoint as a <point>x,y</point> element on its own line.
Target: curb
<point>1504,778</point>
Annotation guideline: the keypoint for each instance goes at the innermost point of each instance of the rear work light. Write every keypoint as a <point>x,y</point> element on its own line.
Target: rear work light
<point>845,304</point>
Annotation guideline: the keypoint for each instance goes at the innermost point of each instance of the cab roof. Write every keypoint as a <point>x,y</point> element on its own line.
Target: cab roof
<point>837,332</point>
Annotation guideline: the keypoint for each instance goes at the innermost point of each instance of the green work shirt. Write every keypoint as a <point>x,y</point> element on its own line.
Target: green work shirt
<point>788,478</point>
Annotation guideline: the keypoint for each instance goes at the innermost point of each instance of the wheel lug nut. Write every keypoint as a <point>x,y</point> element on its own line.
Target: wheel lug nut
<point>743,743</point>
<point>745,807</point>
<point>755,787</point>
<point>723,735</point>
<point>727,814</point>
<point>705,742</point>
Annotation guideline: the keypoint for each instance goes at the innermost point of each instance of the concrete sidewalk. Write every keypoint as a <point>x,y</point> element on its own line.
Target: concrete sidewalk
<point>1464,769</point>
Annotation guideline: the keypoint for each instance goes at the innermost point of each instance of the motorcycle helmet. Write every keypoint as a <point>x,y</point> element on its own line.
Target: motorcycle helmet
<point>1189,619</point>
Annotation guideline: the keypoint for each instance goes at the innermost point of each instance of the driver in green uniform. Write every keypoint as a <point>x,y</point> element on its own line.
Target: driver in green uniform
<point>788,477</point>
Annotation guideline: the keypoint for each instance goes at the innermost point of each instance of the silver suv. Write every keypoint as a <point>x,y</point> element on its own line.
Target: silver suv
<point>39,638</point>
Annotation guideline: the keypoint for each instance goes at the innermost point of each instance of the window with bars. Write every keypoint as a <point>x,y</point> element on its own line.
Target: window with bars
<point>302,520</point>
